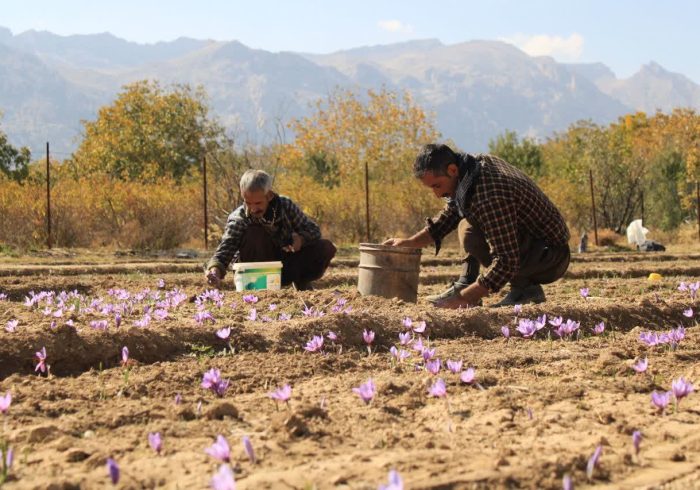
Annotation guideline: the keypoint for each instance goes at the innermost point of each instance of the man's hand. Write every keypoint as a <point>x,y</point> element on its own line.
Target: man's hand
<point>467,297</point>
<point>297,242</point>
<point>213,277</point>
<point>399,242</point>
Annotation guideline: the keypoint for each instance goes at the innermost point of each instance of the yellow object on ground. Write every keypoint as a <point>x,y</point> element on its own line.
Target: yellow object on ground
<point>654,276</point>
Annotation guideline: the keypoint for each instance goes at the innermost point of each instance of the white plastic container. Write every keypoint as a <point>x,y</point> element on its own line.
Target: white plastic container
<point>257,275</point>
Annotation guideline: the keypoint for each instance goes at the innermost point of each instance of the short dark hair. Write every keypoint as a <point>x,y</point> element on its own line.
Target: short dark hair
<point>434,158</point>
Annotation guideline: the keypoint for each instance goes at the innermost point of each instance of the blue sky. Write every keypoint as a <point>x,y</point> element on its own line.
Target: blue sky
<point>623,34</point>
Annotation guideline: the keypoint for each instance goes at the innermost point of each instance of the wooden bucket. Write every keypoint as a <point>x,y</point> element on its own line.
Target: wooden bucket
<point>391,272</point>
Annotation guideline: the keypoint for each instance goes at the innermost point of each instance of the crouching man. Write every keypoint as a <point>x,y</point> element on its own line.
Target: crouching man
<point>506,224</point>
<point>270,227</point>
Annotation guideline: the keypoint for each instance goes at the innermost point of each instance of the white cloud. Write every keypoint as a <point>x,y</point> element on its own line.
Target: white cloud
<point>395,26</point>
<point>562,48</point>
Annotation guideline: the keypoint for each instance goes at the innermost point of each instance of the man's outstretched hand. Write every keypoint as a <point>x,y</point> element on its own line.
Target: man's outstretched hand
<point>213,277</point>
<point>398,242</point>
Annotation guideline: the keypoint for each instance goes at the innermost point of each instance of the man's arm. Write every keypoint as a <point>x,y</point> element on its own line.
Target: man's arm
<point>301,224</point>
<point>437,229</point>
<point>229,245</point>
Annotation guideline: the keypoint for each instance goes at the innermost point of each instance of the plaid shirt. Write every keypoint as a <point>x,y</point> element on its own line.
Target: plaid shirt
<point>505,204</point>
<point>281,218</point>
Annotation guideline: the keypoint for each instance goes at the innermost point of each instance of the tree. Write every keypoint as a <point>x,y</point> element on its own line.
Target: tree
<point>149,132</point>
<point>14,162</point>
<point>525,154</point>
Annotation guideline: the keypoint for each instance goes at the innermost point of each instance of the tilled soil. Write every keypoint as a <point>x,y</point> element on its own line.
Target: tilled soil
<point>537,410</point>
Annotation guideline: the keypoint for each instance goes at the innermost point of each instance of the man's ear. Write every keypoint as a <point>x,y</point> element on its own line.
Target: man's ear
<point>452,170</point>
<point>269,195</point>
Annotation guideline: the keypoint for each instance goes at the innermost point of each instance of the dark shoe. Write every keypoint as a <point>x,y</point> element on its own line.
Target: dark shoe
<point>521,296</point>
<point>303,286</point>
<point>448,293</point>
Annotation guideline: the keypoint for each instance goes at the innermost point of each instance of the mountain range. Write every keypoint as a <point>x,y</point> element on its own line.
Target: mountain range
<point>475,90</point>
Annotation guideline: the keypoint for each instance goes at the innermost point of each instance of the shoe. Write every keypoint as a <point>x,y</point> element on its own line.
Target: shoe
<point>448,293</point>
<point>303,286</point>
<point>521,296</point>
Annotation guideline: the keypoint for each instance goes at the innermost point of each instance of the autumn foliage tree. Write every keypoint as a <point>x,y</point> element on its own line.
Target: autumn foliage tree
<point>148,132</point>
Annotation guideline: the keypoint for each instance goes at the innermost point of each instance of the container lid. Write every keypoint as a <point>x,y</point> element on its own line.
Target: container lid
<point>389,248</point>
<point>243,266</point>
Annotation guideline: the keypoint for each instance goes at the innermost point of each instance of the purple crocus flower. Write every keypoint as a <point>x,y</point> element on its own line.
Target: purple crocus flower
<point>433,366</point>
<point>117,320</point>
<point>125,355</point>
<point>212,381</point>
<point>526,328</point>
<point>332,336</point>
<point>438,389</point>
<point>5,402</point>
<point>368,336</point>
<point>599,328</point>
<point>566,483</point>
<point>220,449</point>
<point>308,311</point>
<point>584,293</point>
<point>248,447</point>
<point>649,338</point>
<point>636,440</point>
<point>428,354</point>
<point>660,400</point>
<point>253,315</point>
<point>223,333</point>
<point>641,365</point>
<point>155,441</point>
<point>405,338</point>
<point>202,316</point>
<point>178,398</point>
<point>693,287</point>
<point>682,286</point>
<point>454,366</point>
<point>144,321</point>
<point>540,322</point>
<point>681,388</point>
<point>282,394</point>
<point>250,299</point>
<point>99,324</point>
<point>366,391</point>
<point>505,331</point>
<point>468,376</point>
<point>315,344</point>
<point>419,327</point>
<point>223,479</point>
<point>418,345</point>
<point>518,309</point>
<point>161,283</point>
<point>407,322</point>
<point>688,313</point>
<point>41,356</point>
<point>399,354</point>
<point>593,461</point>
<point>12,325</point>
<point>284,317</point>
<point>113,469</point>
<point>395,482</point>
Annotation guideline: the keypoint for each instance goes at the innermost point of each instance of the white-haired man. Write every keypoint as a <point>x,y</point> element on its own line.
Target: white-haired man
<point>271,227</point>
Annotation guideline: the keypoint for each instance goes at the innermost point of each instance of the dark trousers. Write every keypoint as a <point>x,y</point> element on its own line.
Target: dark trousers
<point>300,268</point>
<point>539,263</point>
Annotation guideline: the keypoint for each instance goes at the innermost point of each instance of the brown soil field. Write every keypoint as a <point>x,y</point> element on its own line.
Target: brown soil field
<point>536,412</point>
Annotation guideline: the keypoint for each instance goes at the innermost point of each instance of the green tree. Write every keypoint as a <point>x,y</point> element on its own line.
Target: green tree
<point>14,162</point>
<point>524,153</point>
<point>147,133</point>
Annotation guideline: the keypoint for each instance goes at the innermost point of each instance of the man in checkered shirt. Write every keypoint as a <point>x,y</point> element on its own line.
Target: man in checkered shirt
<point>506,224</point>
<point>270,227</point>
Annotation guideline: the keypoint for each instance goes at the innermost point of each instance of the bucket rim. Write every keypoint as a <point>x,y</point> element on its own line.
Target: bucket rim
<point>389,248</point>
<point>243,266</point>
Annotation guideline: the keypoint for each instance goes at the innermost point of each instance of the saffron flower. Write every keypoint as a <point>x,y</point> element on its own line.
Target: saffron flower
<point>41,356</point>
<point>599,328</point>
<point>660,400</point>
<point>272,307</point>
<point>223,479</point>
<point>566,483</point>
<point>688,313</point>
<point>438,389</point>
<point>253,315</point>
<point>113,469</point>
<point>407,322</point>
<point>99,324</point>
<point>433,366</point>
<point>212,381</point>
<point>584,293</point>
<point>419,327</point>
<point>468,376</point>
<point>556,321</point>
<point>224,333</point>
<point>178,398</point>
<point>5,402</point>
<point>368,336</point>
<point>681,388</point>
<point>220,449</point>
<point>155,441</point>
<point>143,322</point>
<point>12,325</point>
<point>202,316</point>
<point>428,354</point>
<point>540,322</point>
<point>282,394</point>
<point>366,391</point>
<point>117,320</point>
<point>250,299</point>
<point>641,365</point>
<point>454,366</point>
<point>505,331</point>
<point>518,309</point>
<point>593,461</point>
<point>405,338</point>
<point>636,440</point>
<point>395,482</point>
<point>526,328</point>
<point>332,336</point>
<point>125,355</point>
<point>284,317</point>
<point>248,447</point>
<point>315,344</point>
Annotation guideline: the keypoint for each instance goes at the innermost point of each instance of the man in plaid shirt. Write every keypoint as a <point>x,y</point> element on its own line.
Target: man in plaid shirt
<point>270,227</point>
<point>505,224</point>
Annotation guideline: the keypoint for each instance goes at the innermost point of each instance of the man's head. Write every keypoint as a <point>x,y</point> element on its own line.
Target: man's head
<point>256,189</point>
<point>436,167</point>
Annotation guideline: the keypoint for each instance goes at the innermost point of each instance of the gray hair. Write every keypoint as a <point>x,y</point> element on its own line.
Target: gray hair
<point>256,180</point>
